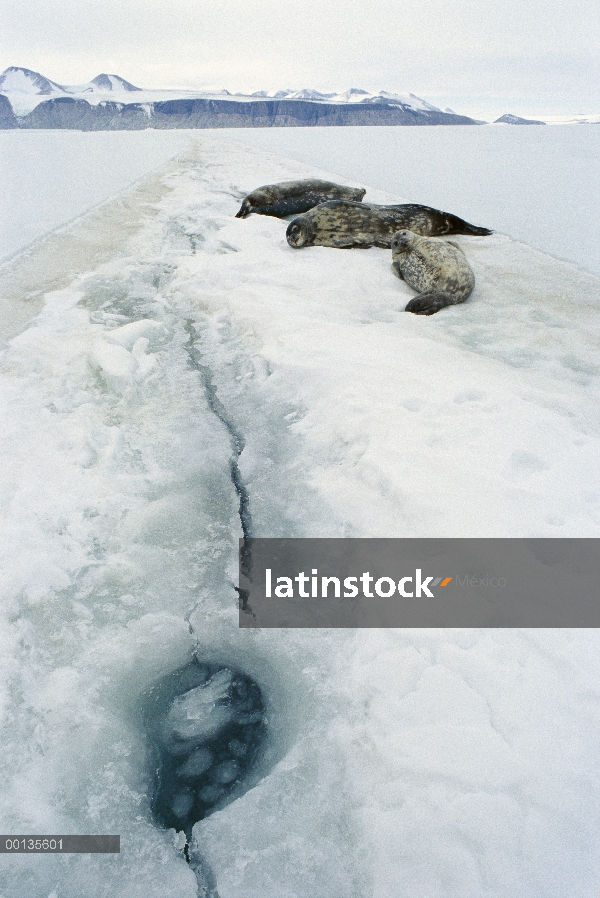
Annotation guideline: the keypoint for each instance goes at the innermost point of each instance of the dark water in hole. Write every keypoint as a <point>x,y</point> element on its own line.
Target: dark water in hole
<point>206,726</point>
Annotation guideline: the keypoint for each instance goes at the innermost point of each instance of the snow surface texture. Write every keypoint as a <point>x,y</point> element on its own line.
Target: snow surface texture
<point>441,763</point>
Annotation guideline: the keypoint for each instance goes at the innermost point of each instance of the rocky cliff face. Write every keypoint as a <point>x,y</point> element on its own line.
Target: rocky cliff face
<point>68,112</point>
<point>7,116</point>
<point>285,113</point>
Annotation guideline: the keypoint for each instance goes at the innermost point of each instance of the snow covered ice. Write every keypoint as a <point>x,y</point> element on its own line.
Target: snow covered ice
<point>197,360</point>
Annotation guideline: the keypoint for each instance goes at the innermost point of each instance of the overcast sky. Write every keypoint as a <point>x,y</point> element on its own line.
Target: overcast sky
<point>477,56</point>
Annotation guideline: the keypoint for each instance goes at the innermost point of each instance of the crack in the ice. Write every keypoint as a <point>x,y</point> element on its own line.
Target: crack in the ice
<point>237,443</point>
<point>236,439</point>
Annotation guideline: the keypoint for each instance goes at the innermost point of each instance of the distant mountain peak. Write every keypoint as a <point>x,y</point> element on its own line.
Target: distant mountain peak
<point>308,93</point>
<point>26,81</point>
<point>112,82</point>
<point>510,119</point>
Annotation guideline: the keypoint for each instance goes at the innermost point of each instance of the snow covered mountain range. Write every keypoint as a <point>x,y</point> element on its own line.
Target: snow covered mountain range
<point>354,95</point>
<point>25,81</point>
<point>18,83</point>
<point>30,100</point>
<point>109,102</point>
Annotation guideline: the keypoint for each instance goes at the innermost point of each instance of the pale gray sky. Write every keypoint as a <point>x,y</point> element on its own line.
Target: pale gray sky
<point>478,56</point>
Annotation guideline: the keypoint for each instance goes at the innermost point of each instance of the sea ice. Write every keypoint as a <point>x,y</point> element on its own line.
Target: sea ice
<point>446,763</point>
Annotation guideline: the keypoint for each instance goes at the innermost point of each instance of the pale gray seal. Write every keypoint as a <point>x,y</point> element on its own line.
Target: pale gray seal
<point>436,268</point>
<point>345,224</point>
<point>292,197</point>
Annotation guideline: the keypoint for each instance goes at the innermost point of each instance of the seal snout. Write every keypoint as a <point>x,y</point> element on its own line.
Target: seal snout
<point>401,240</point>
<point>245,210</point>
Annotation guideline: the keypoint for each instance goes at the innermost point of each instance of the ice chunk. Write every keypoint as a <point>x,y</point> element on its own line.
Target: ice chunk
<point>198,762</point>
<point>237,748</point>
<point>226,772</point>
<point>246,719</point>
<point>209,794</point>
<point>128,334</point>
<point>115,361</point>
<point>197,714</point>
<point>182,803</point>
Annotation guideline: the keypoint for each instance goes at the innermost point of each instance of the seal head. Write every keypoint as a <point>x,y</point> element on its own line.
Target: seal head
<point>300,233</point>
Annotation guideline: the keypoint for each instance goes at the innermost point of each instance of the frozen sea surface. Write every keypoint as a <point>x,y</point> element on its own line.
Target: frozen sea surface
<point>51,177</point>
<point>443,763</point>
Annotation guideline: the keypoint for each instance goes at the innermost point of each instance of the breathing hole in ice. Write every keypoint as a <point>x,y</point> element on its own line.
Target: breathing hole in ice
<point>207,728</point>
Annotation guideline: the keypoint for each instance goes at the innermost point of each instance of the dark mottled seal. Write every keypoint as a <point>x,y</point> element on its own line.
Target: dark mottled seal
<point>437,269</point>
<point>293,197</point>
<point>344,224</point>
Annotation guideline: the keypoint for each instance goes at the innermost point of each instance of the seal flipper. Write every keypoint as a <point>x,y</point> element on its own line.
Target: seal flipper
<point>457,225</point>
<point>429,303</point>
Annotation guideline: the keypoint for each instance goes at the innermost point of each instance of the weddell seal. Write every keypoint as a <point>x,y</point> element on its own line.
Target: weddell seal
<point>436,268</point>
<point>292,197</point>
<point>344,224</point>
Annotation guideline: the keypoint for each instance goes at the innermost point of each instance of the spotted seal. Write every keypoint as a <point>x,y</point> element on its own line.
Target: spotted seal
<point>345,224</point>
<point>436,268</point>
<point>292,197</point>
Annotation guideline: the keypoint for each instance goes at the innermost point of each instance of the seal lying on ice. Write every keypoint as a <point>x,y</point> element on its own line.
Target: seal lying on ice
<point>436,269</point>
<point>345,224</point>
<point>292,197</point>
